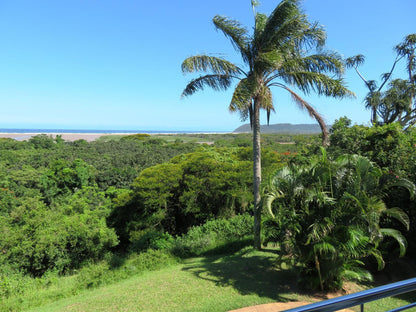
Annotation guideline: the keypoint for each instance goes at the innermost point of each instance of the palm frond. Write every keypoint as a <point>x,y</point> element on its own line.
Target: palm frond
<point>399,215</point>
<point>302,104</point>
<point>265,98</point>
<point>313,37</point>
<point>205,63</point>
<point>242,95</point>
<point>399,238</point>
<point>217,82</point>
<point>347,197</point>
<point>288,29</point>
<point>235,32</point>
<point>319,230</point>
<point>404,183</point>
<point>283,21</point>
<point>357,242</point>
<point>323,62</point>
<point>284,11</point>
<point>266,61</point>
<point>373,100</point>
<point>318,82</point>
<point>379,258</point>
<point>270,198</point>
<point>324,248</point>
<point>357,274</point>
<point>318,196</point>
<point>261,20</point>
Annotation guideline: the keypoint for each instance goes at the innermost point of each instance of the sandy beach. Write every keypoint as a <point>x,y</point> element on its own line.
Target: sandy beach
<point>66,136</point>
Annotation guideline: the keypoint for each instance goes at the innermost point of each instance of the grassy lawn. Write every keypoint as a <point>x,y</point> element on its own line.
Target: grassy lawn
<point>199,284</point>
<point>202,284</point>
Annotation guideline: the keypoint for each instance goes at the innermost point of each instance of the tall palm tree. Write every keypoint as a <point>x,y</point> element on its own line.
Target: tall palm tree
<point>397,103</point>
<point>285,50</point>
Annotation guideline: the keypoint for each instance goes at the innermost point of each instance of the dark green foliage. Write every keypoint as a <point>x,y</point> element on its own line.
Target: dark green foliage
<point>8,201</point>
<point>327,217</point>
<point>136,137</point>
<point>389,146</point>
<point>42,141</point>
<point>56,196</point>
<point>64,178</point>
<point>118,162</point>
<point>11,144</point>
<point>53,211</point>
<point>37,238</point>
<point>216,236</point>
<point>144,240</point>
<point>187,191</point>
<point>392,149</point>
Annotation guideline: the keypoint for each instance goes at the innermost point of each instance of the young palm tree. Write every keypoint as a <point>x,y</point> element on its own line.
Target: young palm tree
<point>284,51</point>
<point>327,216</point>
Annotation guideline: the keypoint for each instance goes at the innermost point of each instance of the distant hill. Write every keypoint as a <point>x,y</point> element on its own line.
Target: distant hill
<point>283,128</point>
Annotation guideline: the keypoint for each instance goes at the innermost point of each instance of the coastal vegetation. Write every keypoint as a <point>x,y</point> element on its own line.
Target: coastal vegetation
<point>90,214</point>
<point>165,222</point>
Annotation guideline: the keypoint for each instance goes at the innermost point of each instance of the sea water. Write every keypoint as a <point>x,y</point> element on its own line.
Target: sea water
<point>6,130</point>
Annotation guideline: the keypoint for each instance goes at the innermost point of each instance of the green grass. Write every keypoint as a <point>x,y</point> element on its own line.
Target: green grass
<point>215,283</point>
<point>199,284</point>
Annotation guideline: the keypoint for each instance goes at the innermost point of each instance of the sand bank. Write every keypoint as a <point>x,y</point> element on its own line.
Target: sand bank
<point>66,136</point>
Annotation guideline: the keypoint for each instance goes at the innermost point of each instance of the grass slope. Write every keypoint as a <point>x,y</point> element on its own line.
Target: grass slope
<point>215,283</point>
<point>199,284</point>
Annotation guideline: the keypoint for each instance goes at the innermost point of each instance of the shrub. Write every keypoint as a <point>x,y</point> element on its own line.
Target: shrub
<point>213,235</point>
<point>327,217</point>
<point>136,137</point>
<point>37,238</point>
<point>143,240</point>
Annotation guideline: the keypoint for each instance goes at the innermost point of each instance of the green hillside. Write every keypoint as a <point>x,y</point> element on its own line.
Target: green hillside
<point>283,128</point>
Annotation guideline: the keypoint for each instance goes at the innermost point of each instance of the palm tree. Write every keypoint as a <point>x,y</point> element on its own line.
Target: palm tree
<point>285,50</point>
<point>397,103</point>
<point>327,216</point>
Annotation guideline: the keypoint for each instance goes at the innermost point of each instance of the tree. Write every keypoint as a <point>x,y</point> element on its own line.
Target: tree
<point>187,191</point>
<point>327,216</point>
<point>397,103</point>
<point>285,49</point>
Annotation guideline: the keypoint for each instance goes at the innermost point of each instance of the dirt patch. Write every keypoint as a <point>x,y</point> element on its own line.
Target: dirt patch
<point>315,297</point>
<point>276,307</point>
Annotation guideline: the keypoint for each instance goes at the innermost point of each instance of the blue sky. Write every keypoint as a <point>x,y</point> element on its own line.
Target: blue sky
<point>115,64</point>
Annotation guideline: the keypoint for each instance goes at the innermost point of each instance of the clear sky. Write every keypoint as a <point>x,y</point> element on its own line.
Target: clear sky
<point>115,64</point>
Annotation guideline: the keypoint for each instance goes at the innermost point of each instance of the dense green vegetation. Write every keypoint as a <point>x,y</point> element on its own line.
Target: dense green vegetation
<point>67,205</point>
<point>95,212</point>
<point>188,190</point>
<point>56,196</point>
<point>79,215</point>
<point>327,216</point>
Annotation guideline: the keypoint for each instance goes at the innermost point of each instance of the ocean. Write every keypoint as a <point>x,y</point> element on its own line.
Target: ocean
<point>6,130</point>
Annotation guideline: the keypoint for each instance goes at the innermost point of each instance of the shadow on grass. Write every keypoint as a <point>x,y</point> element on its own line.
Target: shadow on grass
<point>399,269</point>
<point>248,274</point>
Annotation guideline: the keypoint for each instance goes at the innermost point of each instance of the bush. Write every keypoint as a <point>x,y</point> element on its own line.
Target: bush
<point>213,235</point>
<point>328,218</point>
<point>37,238</point>
<point>143,240</point>
<point>42,141</point>
<point>136,137</point>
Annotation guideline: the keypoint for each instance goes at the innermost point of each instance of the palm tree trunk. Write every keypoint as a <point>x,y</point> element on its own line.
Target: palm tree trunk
<point>374,116</point>
<point>257,174</point>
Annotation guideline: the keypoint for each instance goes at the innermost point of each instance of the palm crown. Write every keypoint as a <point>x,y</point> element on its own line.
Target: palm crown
<point>276,54</point>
